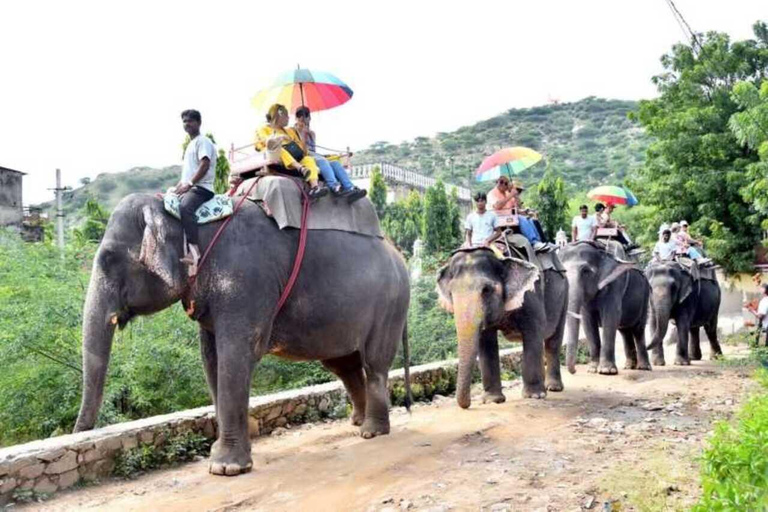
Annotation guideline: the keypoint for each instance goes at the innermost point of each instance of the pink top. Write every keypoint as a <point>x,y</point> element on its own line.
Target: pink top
<point>496,195</point>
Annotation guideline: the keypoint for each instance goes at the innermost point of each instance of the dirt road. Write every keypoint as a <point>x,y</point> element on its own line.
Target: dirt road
<point>630,439</point>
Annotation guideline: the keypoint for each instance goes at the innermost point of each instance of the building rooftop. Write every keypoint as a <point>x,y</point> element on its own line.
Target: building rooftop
<point>12,170</point>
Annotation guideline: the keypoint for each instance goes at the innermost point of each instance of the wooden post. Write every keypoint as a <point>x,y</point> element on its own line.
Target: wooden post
<point>59,212</point>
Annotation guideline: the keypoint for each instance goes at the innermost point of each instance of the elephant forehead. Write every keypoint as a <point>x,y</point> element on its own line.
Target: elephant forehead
<point>468,283</point>
<point>662,281</point>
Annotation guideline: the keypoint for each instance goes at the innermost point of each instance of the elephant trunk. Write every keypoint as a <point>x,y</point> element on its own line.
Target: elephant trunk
<point>661,309</point>
<point>99,321</point>
<point>469,324</point>
<point>573,324</point>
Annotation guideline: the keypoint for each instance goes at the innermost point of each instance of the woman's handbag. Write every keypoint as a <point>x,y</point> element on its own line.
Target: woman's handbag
<point>295,150</point>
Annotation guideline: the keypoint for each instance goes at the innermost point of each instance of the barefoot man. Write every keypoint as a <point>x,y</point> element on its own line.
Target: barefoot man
<point>196,186</point>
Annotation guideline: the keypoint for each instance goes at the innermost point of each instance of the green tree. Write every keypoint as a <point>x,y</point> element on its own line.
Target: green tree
<point>95,223</point>
<point>696,168</point>
<point>402,222</point>
<point>551,201</point>
<point>437,230</point>
<point>378,192</point>
<point>751,130</point>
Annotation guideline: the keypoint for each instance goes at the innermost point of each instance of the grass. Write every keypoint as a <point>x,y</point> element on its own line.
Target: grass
<point>735,462</point>
<point>654,483</point>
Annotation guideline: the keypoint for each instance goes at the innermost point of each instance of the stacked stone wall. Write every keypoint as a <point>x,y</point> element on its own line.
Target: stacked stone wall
<point>58,463</point>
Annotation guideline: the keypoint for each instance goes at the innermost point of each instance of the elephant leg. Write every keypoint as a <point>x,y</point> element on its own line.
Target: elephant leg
<point>715,352</point>
<point>490,369</point>
<point>376,403</point>
<point>683,330</point>
<point>210,361</point>
<point>629,349</point>
<point>350,370</point>
<point>236,356</point>
<point>593,338</point>
<point>608,348</point>
<point>533,358</point>
<point>643,361</point>
<point>694,344</point>
<point>552,348</point>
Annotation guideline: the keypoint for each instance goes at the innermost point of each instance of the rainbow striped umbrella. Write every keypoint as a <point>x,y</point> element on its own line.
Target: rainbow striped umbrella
<point>506,162</point>
<point>301,87</point>
<point>611,194</point>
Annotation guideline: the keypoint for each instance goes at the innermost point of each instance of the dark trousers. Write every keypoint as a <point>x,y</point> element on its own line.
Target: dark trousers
<point>188,206</point>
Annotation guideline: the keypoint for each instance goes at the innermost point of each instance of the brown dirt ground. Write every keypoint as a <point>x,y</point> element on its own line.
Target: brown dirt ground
<point>627,442</point>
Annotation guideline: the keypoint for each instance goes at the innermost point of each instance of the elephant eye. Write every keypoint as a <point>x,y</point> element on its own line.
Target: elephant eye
<point>487,290</point>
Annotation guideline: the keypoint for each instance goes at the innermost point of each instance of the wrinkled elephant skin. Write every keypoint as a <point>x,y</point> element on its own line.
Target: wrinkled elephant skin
<point>348,309</point>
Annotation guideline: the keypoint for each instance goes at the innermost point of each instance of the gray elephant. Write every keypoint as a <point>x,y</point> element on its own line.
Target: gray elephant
<point>691,303</point>
<point>609,293</point>
<point>486,295</point>
<point>348,309</point>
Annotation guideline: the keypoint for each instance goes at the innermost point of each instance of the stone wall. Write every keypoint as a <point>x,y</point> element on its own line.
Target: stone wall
<point>57,463</point>
<point>11,211</point>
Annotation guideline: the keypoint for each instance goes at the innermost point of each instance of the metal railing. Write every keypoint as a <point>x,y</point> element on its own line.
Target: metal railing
<point>396,174</point>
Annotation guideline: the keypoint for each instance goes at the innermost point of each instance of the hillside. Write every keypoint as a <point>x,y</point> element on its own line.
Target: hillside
<point>109,188</point>
<point>590,141</point>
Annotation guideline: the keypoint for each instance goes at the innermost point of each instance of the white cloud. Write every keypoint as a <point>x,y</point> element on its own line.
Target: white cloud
<point>95,87</point>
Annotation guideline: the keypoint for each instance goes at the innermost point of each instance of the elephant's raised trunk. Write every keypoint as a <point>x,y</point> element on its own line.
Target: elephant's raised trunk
<point>661,309</point>
<point>573,325</point>
<point>99,321</point>
<point>469,323</point>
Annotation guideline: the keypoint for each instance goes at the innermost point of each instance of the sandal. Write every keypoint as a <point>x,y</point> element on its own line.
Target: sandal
<point>316,193</point>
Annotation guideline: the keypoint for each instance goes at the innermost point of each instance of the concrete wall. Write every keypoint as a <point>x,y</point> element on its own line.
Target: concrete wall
<point>57,463</point>
<point>11,212</point>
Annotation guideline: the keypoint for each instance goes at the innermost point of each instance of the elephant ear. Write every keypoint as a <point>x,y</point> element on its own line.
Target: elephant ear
<point>610,270</point>
<point>520,278</point>
<point>686,287</point>
<point>443,290</point>
<point>159,254</point>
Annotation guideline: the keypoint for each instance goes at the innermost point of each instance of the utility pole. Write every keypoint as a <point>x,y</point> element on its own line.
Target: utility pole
<point>59,211</point>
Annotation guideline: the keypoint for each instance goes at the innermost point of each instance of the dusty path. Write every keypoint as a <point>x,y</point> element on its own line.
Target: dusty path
<point>631,438</point>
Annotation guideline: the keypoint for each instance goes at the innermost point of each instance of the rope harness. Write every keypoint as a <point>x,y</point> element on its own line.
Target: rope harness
<point>299,258</point>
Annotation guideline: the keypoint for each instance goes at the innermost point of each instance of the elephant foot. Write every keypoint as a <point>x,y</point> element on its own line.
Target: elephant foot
<point>494,397</point>
<point>372,428</point>
<point>607,369</point>
<point>229,461</point>
<point>631,364</point>
<point>358,418</point>
<point>714,356</point>
<point>695,356</point>
<point>592,368</point>
<point>658,361</point>
<point>554,384</point>
<point>681,361</point>
<point>537,392</point>
<point>644,366</point>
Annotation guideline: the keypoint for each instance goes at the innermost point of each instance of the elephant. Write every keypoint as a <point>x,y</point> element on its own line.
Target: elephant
<point>348,309</point>
<point>609,293</point>
<point>692,304</point>
<point>486,295</point>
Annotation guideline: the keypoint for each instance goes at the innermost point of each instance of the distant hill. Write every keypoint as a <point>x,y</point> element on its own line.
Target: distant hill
<point>590,141</point>
<point>109,188</point>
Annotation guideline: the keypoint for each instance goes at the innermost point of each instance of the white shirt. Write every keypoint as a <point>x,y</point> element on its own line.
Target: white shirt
<point>482,226</point>
<point>583,227</point>
<point>762,310</point>
<point>665,250</point>
<point>198,148</point>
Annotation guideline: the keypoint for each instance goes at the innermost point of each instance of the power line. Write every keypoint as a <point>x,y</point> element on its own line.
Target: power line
<point>684,26</point>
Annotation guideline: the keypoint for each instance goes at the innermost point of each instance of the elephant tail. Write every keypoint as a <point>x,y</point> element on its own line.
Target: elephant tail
<point>407,369</point>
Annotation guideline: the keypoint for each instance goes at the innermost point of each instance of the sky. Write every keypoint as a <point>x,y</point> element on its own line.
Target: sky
<point>93,87</point>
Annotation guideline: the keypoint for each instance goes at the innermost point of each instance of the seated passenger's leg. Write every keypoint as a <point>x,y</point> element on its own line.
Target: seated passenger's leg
<point>540,230</point>
<point>528,229</point>
<point>693,253</point>
<point>341,175</point>
<point>328,173</point>
<point>314,172</point>
<point>188,205</point>
<point>350,190</point>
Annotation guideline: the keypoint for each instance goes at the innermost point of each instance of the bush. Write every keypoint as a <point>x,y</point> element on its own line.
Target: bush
<point>735,465</point>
